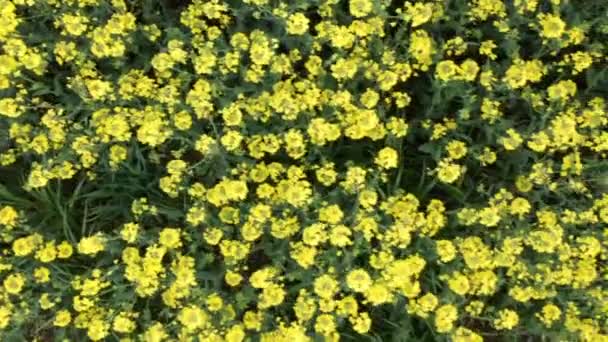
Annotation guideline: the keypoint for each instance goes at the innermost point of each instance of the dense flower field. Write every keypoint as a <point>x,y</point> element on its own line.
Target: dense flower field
<point>303,170</point>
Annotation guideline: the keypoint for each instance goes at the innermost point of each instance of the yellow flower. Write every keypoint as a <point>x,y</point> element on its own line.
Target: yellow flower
<point>176,167</point>
<point>123,324</point>
<point>129,232</point>
<point>552,26</point>
<point>388,79</point>
<point>325,324</point>
<point>387,158</point>
<point>489,216</point>
<point>214,302</point>
<point>262,278</point>
<point>512,141</point>
<point>8,217</point>
<point>24,246</point>
<point>193,318</point>
<point>98,89</point>
<point>231,140</point>
<point>465,335</point>
<point>297,24</point>
<point>339,236</point>
<point>397,127</point>
<point>229,215</point>
<point>45,302</point>
<point>378,294</point>
<point>519,207</point>
<point>550,314</point>
<point>358,280</point>
<point>347,306</point>
<point>64,250</point>
<point>232,116</point>
<point>344,69</point>
<point>42,275</point>
<point>170,238</point>
<point>456,149</point>
<point>360,8</point>
<point>62,318</point>
<point>326,175</point>
<point>196,215</point>
<point>419,13</point>
<point>445,316</point>
<point>361,322</point>
<point>468,70</point>
<point>428,302</point>
<point>448,172</point>
<point>486,48</point>
<point>580,60</point>
<point>235,334</point>
<point>97,329</point>
<point>176,52</point>
<point>507,319</point>
<point>331,214</point>
<point>369,98</point>
<point>162,62</point>
<point>521,72</point>
<point>482,9</point>
<point>475,308</point>
<point>563,90</point>
<point>74,25</point>
<point>539,141</point>
<point>48,253</point>
<point>314,234</point>
<point>118,154</point>
<point>490,110</point>
<point>368,198</point>
<point>459,283</point>
<point>13,284</point>
<point>446,70</point>
<point>325,286</point>
<point>445,250</point>
<point>523,184</point>
<point>155,333</point>
<point>213,236</point>
<point>253,320</point>
<point>321,131</point>
<point>272,295</point>
<point>10,107</point>
<point>91,245</point>
<point>487,157</point>
<point>182,120</point>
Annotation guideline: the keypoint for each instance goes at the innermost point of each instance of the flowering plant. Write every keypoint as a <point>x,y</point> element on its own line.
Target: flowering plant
<point>303,170</point>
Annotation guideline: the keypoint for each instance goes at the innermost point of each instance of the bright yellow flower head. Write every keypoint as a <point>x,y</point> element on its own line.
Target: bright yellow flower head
<point>8,217</point>
<point>14,283</point>
<point>387,158</point>
<point>553,27</point>
<point>91,245</point>
<point>360,8</point>
<point>297,24</point>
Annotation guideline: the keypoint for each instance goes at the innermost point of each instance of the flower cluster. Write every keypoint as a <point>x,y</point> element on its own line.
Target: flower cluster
<point>271,170</point>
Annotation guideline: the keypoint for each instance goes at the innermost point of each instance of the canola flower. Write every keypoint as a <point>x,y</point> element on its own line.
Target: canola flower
<point>262,170</point>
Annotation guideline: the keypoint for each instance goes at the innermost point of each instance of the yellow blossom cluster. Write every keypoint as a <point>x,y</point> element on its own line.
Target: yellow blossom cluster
<point>264,170</point>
